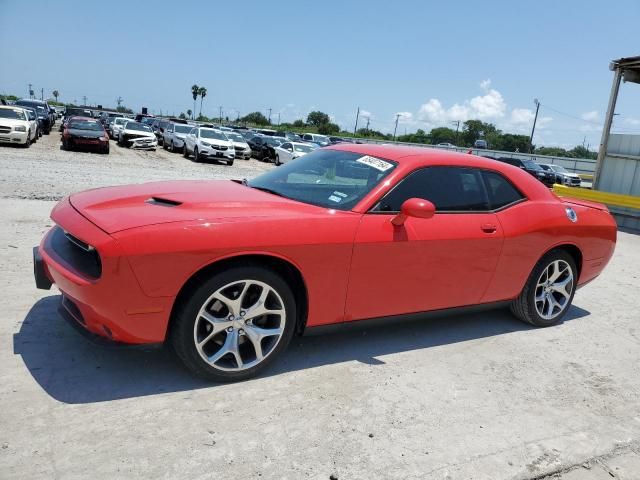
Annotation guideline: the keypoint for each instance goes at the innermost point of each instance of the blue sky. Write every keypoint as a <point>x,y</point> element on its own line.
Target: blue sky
<point>434,62</point>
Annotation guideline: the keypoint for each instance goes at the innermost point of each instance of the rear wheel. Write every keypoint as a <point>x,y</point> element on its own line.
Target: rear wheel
<point>234,324</point>
<point>278,160</point>
<point>549,291</point>
<point>185,151</point>
<point>196,155</point>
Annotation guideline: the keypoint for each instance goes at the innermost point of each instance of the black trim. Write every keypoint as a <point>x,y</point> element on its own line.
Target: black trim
<point>66,314</point>
<point>42,281</point>
<point>408,317</point>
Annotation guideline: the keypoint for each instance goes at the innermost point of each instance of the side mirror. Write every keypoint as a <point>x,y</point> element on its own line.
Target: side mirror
<point>414,207</point>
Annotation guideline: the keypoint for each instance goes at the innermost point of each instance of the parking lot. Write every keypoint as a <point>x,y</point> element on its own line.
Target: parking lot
<point>478,396</point>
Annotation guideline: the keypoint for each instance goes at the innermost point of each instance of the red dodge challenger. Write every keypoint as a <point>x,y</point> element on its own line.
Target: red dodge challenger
<point>227,272</point>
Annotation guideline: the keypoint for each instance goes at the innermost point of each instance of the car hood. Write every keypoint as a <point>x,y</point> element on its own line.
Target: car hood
<point>138,133</point>
<point>85,133</point>
<point>114,209</point>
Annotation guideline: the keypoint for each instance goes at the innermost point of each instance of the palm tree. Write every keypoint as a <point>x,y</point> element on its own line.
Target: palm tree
<point>195,91</point>
<point>56,93</point>
<point>188,113</point>
<point>203,93</point>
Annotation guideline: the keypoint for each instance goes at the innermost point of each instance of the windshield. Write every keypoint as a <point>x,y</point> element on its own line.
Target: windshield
<point>558,168</point>
<point>326,178</point>
<point>137,126</point>
<point>274,142</point>
<point>303,148</point>
<point>120,121</point>
<point>84,125</point>
<point>183,128</point>
<point>17,114</point>
<point>236,137</point>
<point>531,165</point>
<point>212,134</point>
<point>321,138</point>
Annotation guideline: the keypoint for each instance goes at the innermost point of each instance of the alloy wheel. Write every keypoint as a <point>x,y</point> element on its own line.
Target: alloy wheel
<point>239,325</point>
<point>554,289</point>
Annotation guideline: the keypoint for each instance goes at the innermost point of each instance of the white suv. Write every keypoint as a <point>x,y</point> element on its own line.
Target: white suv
<point>117,125</point>
<point>15,126</point>
<point>209,143</point>
<point>240,145</point>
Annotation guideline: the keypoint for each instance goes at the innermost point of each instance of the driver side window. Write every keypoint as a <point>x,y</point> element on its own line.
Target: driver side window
<point>450,189</point>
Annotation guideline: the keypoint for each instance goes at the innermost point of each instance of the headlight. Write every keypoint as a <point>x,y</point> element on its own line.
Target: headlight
<point>205,144</point>
<point>104,139</point>
<point>21,128</point>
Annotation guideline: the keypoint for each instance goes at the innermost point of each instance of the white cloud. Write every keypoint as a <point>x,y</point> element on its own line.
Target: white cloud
<point>591,116</point>
<point>489,106</point>
<point>631,121</point>
<point>521,116</point>
<point>405,118</point>
<point>365,113</point>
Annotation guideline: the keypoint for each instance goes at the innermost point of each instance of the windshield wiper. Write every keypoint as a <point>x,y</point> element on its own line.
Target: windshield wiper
<point>269,190</point>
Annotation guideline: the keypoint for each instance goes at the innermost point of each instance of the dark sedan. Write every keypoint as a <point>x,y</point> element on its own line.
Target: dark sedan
<point>262,147</point>
<point>85,132</point>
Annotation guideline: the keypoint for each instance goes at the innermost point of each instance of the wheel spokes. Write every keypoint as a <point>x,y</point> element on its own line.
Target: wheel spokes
<point>557,278</point>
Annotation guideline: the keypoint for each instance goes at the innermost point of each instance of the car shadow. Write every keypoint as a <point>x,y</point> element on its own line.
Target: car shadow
<point>73,370</point>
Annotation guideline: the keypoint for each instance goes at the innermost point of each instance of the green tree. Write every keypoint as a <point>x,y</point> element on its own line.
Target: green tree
<point>195,91</point>
<point>182,116</point>
<point>56,94</point>
<point>256,118</point>
<point>203,93</point>
<point>419,137</point>
<point>189,112</point>
<point>299,124</point>
<point>317,118</point>
<point>581,152</point>
<point>442,135</point>
<point>328,129</point>
<point>472,129</point>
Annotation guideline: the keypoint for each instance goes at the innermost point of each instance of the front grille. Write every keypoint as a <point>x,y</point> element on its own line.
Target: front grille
<point>74,253</point>
<point>5,129</point>
<point>239,149</point>
<point>219,147</point>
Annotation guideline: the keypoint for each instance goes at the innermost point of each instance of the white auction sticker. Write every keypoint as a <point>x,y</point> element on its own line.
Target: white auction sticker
<point>375,163</point>
<point>333,198</point>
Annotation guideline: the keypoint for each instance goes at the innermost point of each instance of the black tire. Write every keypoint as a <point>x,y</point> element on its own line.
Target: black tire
<point>278,160</point>
<point>181,335</point>
<point>524,307</point>
<point>164,146</point>
<point>196,155</point>
<point>27,144</point>
<point>230,162</point>
<point>105,150</point>
<point>185,151</point>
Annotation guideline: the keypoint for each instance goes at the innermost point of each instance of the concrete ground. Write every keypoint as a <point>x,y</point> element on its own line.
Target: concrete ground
<point>478,396</point>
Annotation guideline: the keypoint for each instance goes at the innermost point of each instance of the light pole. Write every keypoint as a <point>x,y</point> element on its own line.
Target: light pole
<point>457,124</point>
<point>533,129</point>
<point>396,127</point>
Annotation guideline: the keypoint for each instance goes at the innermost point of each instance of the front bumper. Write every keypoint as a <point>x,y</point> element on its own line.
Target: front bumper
<point>113,305</point>
<point>208,152</point>
<point>14,137</point>
<point>142,142</point>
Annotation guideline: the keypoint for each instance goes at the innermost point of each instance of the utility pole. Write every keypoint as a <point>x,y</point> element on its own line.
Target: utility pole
<point>119,101</point>
<point>30,90</point>
<point>278,118</point>
<point>355,129</point>
<point>270,116</point>
<point>396,127</point>
<point>42,94</point>
<point>535,119</point>
<point>457,124</point>
<point>220,114</point>
<point>84,100</point>
<point>367,128</point>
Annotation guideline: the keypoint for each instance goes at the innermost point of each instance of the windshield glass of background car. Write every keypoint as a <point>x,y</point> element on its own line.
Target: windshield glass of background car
<point>530,164</point>
<point>326,178</point>
<point>13,114</point>
<point>82,125</point>
<point>302,148</point>
<point>212,134</point>
<point>559,169</point>
<point>235,137</point>
<point>183,128</point>
<point>137,126</point>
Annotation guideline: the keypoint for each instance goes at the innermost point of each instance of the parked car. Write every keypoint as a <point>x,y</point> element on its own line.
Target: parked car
<point>15,126</point>
<point>42,109</point>
<point>563,176</point>
<point>320,140</point>
<point>36,123</point>
<point>446,144</point>
<point>480,144</point>
<point>174,136</point>
<point>208,144</point>
<point>183,255</point>
<point>531,167</point>
<point>137,135</point>
<point>291,150</point>
<point>240,145</point>
<point>116,126</point>
<point>158,127</point>
<point>247,134</point>
<point>262,147</point>
<point>292,137</point>
<point>86,133</point>
<point>336,140</point>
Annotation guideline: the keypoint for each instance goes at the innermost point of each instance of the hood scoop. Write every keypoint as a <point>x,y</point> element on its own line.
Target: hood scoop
<point>163,202</point>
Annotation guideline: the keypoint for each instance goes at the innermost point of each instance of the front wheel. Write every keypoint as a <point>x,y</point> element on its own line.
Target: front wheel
<point>185,151</point>
<point>234,324</point>
<point>549,291</point>
<point>196,155</point>
<point>230,162</point>
<point>278,160</point>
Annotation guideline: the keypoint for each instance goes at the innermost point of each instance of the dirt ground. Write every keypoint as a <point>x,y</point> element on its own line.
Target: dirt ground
<point>478,396</point>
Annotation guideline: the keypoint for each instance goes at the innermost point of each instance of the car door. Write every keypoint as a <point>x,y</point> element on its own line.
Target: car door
<point>426,264</point>
<point>190,140</point>
<point>284,151</point>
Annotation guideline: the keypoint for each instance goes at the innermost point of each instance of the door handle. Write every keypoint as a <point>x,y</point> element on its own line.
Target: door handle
<point>488,228</point>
